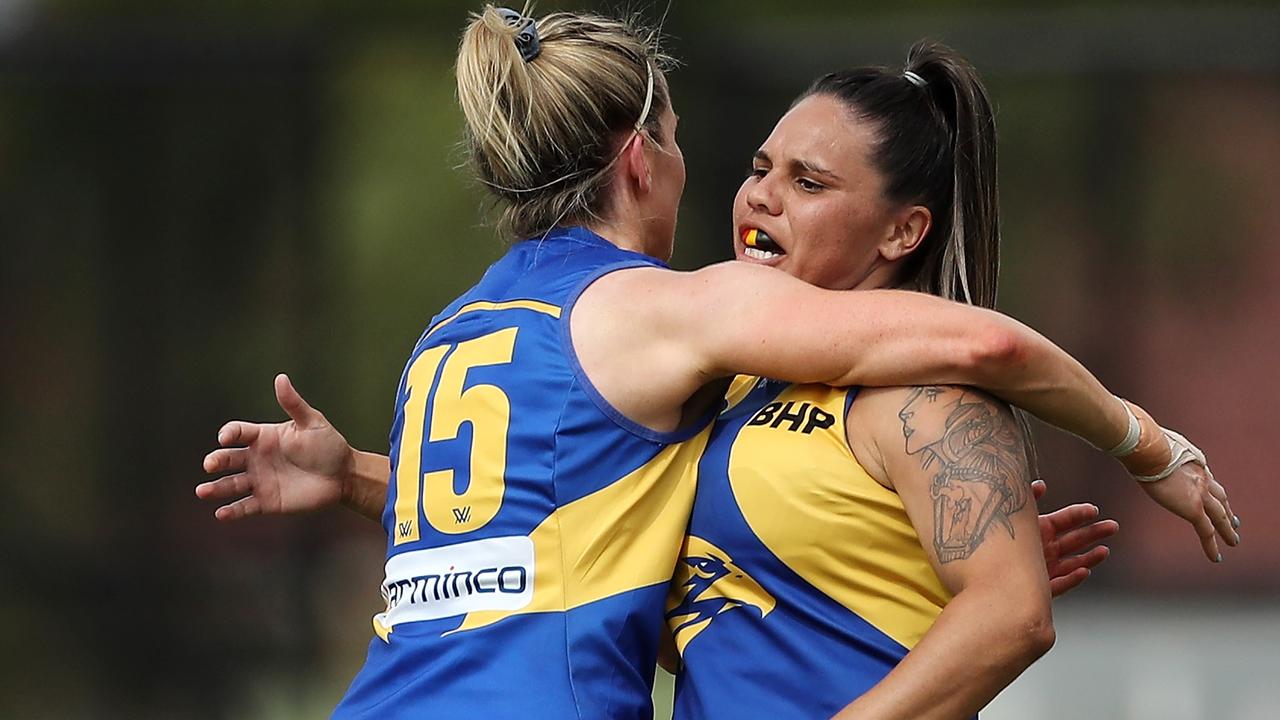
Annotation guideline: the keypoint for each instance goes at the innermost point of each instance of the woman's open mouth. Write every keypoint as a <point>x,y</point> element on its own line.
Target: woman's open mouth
<point>759,246</point>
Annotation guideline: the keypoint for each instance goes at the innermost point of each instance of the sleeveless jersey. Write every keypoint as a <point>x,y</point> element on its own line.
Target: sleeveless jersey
<point>802,581</point>
<point>532,529</point>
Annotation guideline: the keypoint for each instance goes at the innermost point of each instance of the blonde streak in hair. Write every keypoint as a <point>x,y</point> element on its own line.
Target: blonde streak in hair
<point>957,250</point>
<point>956,258</point>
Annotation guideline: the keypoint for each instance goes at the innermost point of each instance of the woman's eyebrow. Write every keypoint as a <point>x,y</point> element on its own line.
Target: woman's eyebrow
<point>808,166</point>
<point>799,167</point>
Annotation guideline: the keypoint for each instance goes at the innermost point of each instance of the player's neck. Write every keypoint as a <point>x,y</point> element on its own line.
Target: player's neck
<point>626,235</point>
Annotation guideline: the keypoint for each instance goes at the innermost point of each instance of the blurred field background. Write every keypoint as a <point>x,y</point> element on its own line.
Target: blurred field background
<point>195,195</point>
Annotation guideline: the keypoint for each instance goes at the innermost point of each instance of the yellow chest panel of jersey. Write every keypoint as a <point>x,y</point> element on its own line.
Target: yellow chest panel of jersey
<point>806,497</point>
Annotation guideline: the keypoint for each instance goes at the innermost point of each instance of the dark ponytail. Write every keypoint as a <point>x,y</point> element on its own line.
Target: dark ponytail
<point>936,147</point>
<point>967,253</point>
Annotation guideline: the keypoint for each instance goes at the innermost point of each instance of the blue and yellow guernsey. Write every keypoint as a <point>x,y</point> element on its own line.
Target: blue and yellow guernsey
<point>532,529</point>
<point>802,581</point>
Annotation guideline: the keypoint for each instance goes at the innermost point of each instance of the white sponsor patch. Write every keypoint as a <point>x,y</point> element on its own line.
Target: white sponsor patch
<point>491,574</point>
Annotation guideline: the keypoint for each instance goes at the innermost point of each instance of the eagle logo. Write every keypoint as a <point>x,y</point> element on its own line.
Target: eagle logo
<point>707,584</point>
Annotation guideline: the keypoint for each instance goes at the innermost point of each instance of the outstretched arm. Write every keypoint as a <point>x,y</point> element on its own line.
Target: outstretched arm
<point>689,328</point>
<point>957,459</point>
<point>300,465</point>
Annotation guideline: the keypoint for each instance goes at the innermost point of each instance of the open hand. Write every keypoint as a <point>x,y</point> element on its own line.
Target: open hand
<point>298,465</point>
<point>1065,533</point>
<point>1189,489</point>
<point>1192,494</point>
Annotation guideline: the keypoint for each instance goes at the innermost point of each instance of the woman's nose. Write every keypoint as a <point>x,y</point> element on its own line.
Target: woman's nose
<point>762,196</point>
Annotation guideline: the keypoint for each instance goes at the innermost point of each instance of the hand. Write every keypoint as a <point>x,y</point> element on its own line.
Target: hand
<point>1064,533</point>
<point>294,466</point>
<point>1192,494</point>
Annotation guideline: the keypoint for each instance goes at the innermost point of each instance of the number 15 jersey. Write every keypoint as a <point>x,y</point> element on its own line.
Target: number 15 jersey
<point>532,528</point>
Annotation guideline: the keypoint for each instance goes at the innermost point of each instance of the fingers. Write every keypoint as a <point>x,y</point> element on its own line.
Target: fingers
<point>1076,540</point>
<point>293,404</point>
<point>1070,572</point>
<point>1222,520</point>
<point>238,432</point>
<point>223,488</point>
<point>1038,488</point>
<point>224,460</point>
<point>1071,516</point>
<point>241,508</point>
<point>1060,586</point>
<point>1219,492</point>
<point>1235,519</point>
<point>1089,560</point>
<point>1208,537</point>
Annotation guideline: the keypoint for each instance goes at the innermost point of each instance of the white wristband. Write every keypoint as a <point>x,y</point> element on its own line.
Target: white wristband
<point>1181,452</point>
<point>1131,438</point>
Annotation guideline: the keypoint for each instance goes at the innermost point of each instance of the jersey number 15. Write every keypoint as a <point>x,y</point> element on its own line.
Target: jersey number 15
<point>489,411</point>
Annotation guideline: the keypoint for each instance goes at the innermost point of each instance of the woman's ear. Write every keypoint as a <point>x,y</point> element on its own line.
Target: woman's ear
<point>637,164</point>
<point>909,230</point>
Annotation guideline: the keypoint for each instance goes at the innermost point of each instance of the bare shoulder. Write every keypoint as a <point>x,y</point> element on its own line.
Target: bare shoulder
<point>623,291</point>
<point>670,296</point>
<point>669,311</point>
<point>903,417</point>
<point>871,427</point>
<point>622,323</point>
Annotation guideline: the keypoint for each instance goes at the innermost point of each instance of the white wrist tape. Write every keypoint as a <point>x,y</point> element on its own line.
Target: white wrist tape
<point>1181,452</point>
<point>1131,438</point>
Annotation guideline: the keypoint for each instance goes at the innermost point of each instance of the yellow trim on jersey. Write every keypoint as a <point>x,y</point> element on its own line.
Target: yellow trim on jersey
<point>739,388</point>
<point>622,537</point>
<point>381,630</point>
<point>535,305</point>
<point>809,501</point>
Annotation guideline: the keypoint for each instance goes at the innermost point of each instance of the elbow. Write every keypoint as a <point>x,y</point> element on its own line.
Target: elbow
<point>996,351</point>
<point>1024,632</point>
<point>1043,636</point>
<point>1035,635</point>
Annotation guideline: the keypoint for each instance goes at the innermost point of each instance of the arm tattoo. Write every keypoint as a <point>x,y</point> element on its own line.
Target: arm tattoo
<point>978,458</point>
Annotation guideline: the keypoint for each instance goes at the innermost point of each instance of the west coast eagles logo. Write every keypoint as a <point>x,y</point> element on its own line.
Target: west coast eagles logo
<point>707,584</point>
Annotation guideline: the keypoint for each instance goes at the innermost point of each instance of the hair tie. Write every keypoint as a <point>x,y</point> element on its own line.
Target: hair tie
<point>648,99</point>
<point>914,79</point>
<point>526,39</point>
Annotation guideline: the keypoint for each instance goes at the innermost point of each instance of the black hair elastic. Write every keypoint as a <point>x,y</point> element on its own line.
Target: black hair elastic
<point>527,40</point>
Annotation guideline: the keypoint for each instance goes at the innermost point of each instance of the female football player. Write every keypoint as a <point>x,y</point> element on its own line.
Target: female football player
<point>878,543</point>
<point>549,420</point>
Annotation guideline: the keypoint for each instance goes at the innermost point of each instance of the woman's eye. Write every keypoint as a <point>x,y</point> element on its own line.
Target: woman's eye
<point>809,185</point>
<point>758,172</point>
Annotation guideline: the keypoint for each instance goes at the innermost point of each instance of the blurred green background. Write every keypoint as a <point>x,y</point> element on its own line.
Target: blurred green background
<point>197,195</point>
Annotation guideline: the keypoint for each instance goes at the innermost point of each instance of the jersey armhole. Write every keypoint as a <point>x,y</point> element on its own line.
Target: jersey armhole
<point>848,405</point>
<point>580,375</point>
